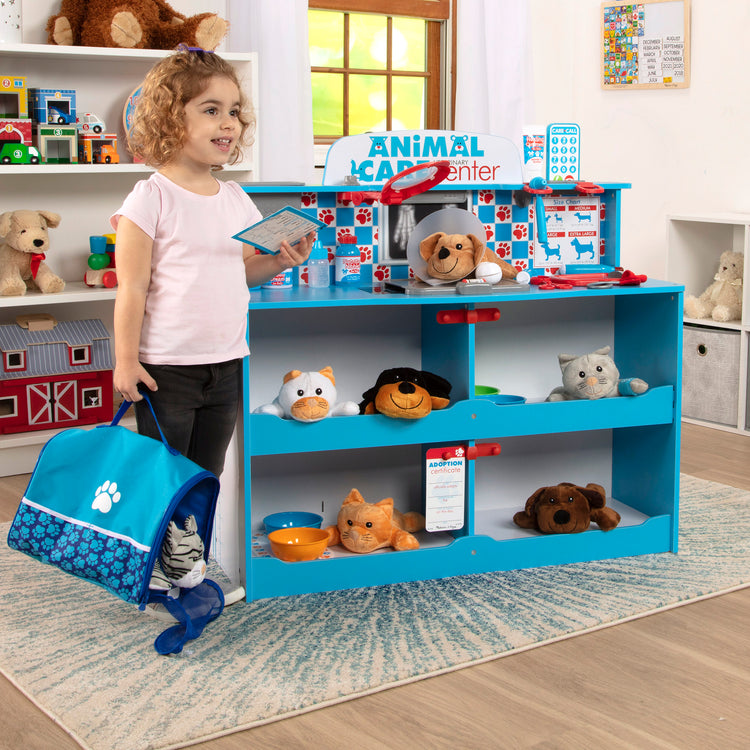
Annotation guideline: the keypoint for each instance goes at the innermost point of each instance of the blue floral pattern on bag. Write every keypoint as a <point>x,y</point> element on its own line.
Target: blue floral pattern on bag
<point>113,563</point>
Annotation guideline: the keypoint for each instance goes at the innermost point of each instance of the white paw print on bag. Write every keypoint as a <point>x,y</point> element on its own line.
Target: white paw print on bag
<point>106,495</point>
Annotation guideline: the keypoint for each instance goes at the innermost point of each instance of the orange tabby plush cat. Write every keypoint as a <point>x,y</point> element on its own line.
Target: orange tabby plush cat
<point>364,527</point>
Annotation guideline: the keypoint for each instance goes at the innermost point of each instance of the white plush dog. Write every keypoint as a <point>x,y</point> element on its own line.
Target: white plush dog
<point>308,397</point>
<point>22,253</point>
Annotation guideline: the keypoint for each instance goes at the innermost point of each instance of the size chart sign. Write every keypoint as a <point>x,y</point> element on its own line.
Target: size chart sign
<point>445,493</point>
<point>572,232</point>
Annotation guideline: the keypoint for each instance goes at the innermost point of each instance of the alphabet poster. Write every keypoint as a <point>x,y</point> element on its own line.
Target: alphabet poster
<point>646,44</point>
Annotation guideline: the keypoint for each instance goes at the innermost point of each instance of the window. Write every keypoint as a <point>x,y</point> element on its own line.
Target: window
<point>9,406</point>
<point>373,71</point>
<point>15,361</point>
<point>80,355</point>
<point>91,397</point>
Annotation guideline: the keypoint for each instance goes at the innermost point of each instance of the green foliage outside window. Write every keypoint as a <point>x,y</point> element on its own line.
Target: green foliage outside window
<point>351,91</point>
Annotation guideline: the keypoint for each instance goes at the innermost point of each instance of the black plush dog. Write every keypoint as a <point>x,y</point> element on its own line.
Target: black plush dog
<point>405,393</point>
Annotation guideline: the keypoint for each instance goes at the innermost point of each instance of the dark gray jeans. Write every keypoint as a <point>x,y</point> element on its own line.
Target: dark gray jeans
<point>196,406</point>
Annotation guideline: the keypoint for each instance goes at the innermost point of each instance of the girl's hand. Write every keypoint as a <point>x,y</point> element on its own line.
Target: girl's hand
<point>295,255</point>
<point>126,378</point>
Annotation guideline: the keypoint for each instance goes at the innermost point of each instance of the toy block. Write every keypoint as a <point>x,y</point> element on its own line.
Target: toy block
<point>16,129</point>
<point>57,106</point>
<point>57,144</point>
<point>13,97</point>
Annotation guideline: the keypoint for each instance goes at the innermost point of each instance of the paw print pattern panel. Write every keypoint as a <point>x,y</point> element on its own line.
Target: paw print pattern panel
<point>509,229</point>
<point>113,563</point>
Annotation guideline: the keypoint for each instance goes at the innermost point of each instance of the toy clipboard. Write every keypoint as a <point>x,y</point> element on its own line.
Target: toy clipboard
<point>288,224</point>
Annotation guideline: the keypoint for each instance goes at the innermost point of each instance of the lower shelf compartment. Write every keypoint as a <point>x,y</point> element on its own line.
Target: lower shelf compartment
<point>270,577</point>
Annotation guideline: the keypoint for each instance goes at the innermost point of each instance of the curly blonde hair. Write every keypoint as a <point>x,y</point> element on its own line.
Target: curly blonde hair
<point>158,129</point>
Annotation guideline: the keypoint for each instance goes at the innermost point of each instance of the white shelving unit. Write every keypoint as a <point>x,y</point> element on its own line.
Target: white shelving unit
<point>695,242</point>
<point>84,195</point>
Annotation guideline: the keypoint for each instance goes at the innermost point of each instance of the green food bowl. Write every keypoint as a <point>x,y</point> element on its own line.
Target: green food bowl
<point>484,391</point>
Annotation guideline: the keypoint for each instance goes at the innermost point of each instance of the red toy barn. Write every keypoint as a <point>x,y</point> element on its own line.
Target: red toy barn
<point>54,374</point>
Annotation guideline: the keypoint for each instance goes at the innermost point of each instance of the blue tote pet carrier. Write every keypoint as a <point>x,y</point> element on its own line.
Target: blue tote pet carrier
<point>98,506</point>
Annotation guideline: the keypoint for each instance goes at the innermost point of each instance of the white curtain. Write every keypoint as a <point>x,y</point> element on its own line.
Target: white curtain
<point>493,67</point>
<point>277,31</point>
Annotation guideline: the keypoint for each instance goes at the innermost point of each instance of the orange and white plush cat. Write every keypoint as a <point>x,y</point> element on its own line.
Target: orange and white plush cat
<point>364,527</point>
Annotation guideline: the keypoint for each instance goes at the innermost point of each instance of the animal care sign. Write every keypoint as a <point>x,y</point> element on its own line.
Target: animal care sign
<point>371,159</point>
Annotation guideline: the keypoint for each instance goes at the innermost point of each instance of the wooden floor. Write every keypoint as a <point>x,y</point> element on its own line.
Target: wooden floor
<point>679,679</point>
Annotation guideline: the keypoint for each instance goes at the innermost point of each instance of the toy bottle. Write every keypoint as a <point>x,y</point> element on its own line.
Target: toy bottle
<point>282,280</point>
<point>533,142</point>
<point>347,261</point>
<point>318,273</point>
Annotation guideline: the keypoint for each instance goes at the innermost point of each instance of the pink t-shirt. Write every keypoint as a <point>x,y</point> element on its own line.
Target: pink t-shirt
<point>196,305</point>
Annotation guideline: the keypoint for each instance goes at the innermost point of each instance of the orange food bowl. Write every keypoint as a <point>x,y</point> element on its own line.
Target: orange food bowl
<point>296,544</point>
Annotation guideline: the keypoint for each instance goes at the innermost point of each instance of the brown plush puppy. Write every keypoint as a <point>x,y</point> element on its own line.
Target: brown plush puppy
<point>451,257</point>
<point>567,508</point>
<point>406,393</point>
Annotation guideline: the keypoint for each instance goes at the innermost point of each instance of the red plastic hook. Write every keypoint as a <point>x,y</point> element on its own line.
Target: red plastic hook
<point>482,315</point>
<point>483,449</point>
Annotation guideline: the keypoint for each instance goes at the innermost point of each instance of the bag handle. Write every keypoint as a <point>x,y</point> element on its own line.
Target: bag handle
<point>125,405</point>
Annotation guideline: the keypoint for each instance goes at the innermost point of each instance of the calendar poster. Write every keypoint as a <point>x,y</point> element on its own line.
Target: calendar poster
<point>646,45</point>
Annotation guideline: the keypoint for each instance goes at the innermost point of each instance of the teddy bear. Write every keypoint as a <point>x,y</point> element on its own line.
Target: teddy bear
<point>592,376</point>
<point>722,300</point>
<point>143,24</point>
<point>364,527</point>
<point>452,257</point>
<point>567,508</point>
<point>25,241</point>
<point>308,397</point>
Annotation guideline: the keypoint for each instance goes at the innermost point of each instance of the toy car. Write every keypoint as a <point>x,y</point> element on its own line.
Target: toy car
<point>89,123</point>
<point>61,118</point>
<point>107,154</point>
<point>18,153</point>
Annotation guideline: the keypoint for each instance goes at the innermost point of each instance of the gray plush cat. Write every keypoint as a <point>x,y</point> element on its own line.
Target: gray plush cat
<point>593,376</point>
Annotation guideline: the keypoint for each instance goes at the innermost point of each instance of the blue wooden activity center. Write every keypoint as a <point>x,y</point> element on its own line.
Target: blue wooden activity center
<point>508,340</point>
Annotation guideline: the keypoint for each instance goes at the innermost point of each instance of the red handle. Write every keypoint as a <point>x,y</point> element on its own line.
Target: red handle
<point>483,449</point>
<point>357,198</point>
<point>588,188</point>
<point>537,191</point>
<point>482,315</point>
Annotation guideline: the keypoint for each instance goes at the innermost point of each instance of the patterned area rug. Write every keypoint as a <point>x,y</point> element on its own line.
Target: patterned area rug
<point>86,658</point>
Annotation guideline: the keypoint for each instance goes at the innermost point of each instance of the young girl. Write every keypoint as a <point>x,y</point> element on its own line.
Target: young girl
<point>182,297</point>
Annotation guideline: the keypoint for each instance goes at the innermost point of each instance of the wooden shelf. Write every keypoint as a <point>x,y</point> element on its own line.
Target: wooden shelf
<point>74,292</point>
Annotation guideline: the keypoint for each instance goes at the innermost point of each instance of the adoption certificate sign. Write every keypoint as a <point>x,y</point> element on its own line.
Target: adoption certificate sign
<point>445,482</point>
<point>288,224</point>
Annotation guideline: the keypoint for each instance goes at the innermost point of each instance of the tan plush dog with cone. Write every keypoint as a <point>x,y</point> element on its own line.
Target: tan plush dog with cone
<point>23,250</point>
<point>452,257</point>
